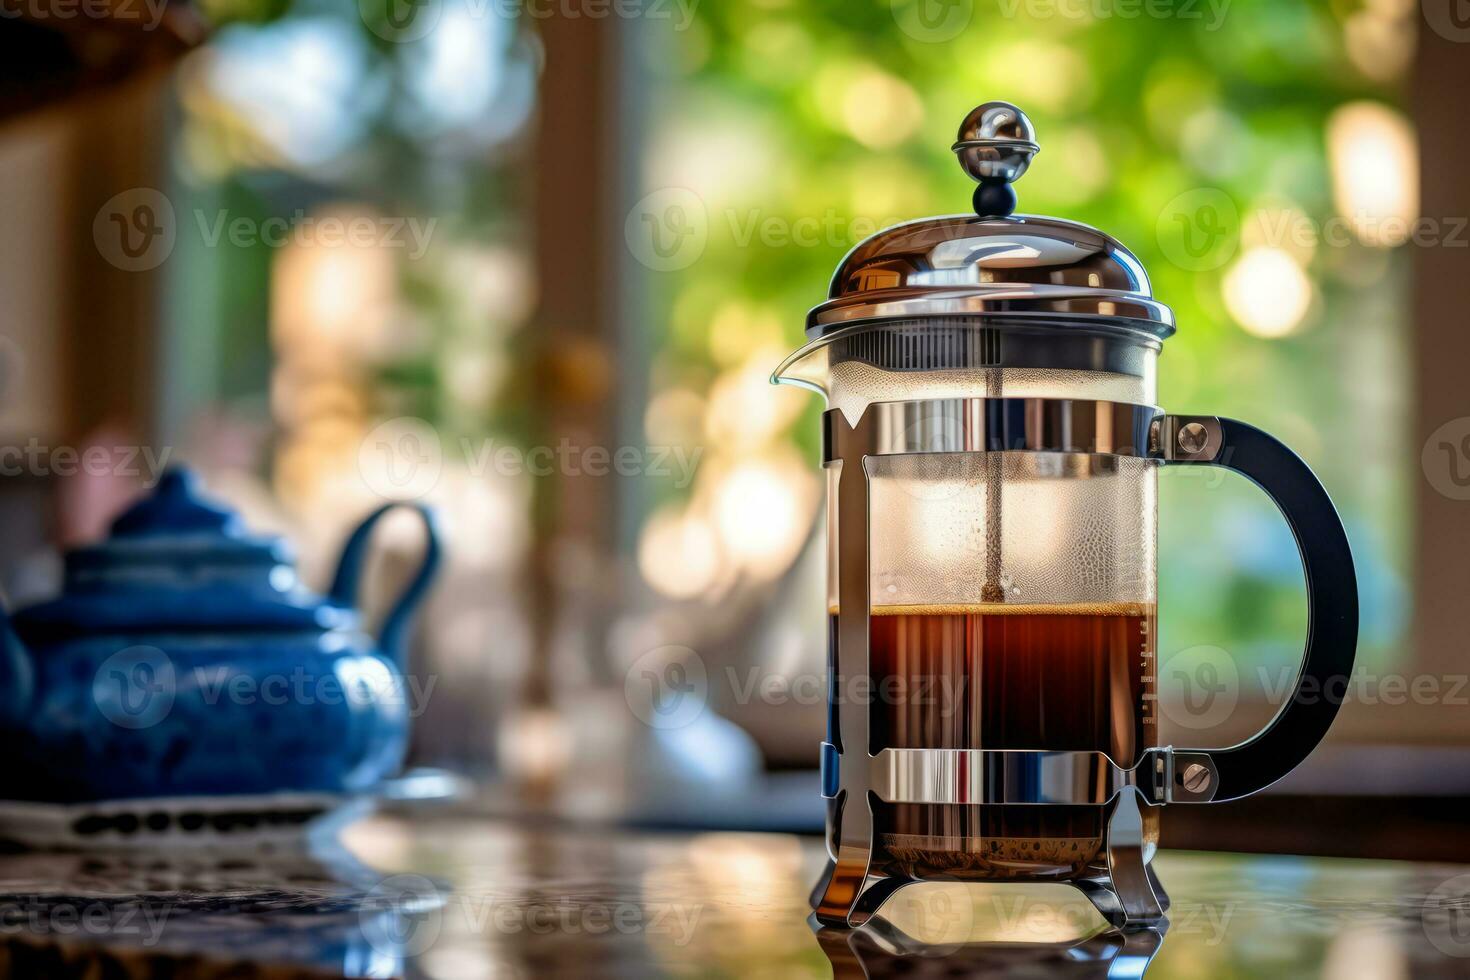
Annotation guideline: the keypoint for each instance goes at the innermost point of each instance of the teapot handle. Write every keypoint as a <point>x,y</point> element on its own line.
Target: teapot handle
<point>349,573</point>
<point>1213,775</point>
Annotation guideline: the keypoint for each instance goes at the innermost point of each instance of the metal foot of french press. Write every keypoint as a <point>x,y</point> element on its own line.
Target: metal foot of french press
<point>879,951</point>
<point>870,894</point>
<point>848,893</point>
<point>1128,896</point>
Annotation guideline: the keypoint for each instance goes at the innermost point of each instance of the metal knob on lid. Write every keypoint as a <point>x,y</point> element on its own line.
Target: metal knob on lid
<point>994,289</point>
<point>994,264</point>
<point>995,145</point>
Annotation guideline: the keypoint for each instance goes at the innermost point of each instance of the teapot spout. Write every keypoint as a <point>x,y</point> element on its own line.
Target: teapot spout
<point>17,675</point>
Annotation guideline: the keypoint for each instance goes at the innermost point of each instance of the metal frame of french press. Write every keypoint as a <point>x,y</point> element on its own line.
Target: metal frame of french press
<point>1128,894</point>
<point>884,949</point>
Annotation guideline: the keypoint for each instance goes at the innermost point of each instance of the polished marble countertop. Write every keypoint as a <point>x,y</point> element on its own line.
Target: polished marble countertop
<point>460,897</point>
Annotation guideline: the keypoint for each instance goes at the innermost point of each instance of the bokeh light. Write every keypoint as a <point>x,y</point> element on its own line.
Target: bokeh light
<point>1267,292</point>
<point>679,553</point>
<point>1375,171</point>
<point>762,508</point>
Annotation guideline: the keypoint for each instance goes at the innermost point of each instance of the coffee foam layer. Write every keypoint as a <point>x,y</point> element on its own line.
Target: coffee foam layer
<point>1016,609</point>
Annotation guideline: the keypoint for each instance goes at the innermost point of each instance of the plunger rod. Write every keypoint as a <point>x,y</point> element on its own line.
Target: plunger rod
<point>991,590</point>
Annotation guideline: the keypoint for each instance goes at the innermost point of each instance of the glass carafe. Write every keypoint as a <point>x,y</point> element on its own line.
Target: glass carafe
<point>991,446</point>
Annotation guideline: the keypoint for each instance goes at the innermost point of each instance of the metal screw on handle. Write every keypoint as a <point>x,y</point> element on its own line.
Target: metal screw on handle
<point>1196,776</point>
<point>1187,438</point>
<point>1193,437</point>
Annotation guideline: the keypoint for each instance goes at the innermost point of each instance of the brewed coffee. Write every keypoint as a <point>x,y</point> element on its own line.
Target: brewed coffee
<point>1067,677</point>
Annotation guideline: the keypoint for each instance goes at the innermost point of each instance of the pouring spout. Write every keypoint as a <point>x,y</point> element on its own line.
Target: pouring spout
<point>806,368</point>
<point>17,676</point>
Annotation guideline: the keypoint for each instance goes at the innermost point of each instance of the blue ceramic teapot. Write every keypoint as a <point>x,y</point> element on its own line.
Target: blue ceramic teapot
<point>185,659</point>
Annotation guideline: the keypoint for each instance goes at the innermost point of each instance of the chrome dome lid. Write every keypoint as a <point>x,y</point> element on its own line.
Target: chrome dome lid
<point>993,264</point>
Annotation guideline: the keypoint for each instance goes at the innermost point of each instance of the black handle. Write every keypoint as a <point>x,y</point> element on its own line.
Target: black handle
<point>1332,607</point>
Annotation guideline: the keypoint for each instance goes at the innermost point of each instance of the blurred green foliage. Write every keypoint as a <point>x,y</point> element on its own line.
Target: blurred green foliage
<point>781,114</point>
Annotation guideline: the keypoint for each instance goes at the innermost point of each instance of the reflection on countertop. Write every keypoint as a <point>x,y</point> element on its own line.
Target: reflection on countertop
<point>465,898</point>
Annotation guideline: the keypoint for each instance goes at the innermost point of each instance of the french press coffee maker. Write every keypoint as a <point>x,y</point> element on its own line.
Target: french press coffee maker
<point>991,446</point>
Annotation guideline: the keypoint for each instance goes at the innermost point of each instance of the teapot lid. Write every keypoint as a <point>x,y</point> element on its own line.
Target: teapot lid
<point>178,560</point>
<point>993,263</point>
